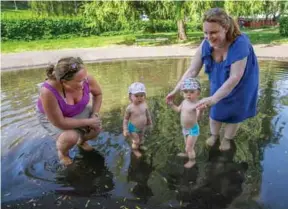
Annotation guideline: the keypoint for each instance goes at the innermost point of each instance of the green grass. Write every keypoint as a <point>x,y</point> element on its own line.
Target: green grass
<point>18,14</point>
<point>12,14</point>
<point>266,36</point>
<point>258,36</point>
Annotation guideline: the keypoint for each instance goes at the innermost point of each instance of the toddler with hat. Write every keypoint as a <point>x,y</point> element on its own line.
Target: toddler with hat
<point>137,117</point>
<point>190,89</point>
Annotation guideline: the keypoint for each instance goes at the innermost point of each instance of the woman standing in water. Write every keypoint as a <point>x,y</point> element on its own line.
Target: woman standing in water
<point>62,107</point>
<point>233,72</point>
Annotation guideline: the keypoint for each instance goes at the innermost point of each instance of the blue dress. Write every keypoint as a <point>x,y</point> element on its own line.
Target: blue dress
<point>241,103</point>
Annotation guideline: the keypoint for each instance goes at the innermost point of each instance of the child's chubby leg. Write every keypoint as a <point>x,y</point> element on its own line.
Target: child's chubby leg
<point>183,154</point>
<point>135,144</point>
<point>190,144</point>
<point>142,139</point>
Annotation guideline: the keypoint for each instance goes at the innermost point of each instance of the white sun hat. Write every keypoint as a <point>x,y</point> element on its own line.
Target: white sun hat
<point>136,88</point>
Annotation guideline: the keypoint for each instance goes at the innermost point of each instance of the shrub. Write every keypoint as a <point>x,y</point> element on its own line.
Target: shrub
<point>49,28</point>
<point>31,29</point>
<point>283,26</point>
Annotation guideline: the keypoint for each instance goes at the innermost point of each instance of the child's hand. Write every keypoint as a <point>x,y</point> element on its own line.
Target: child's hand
<point>149,122</point>
<point>170,102</point>
<point>125,133</point>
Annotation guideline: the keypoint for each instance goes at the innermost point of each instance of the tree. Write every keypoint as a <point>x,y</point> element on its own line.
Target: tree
<point>107,13</point>
<point>15,5</point>
<point>274,8</point>
<point>58,8</point>
<point>179,11</point>
<point>244,8</point>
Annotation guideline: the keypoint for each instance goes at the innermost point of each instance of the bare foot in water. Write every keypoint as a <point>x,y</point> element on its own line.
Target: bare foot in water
<point>65,160</point>
<point>182,154</point>
<point>211,140</point>
<point>137,153</point>
<point>85,146</point>
<point>225,144</point>
<point>190,163</point>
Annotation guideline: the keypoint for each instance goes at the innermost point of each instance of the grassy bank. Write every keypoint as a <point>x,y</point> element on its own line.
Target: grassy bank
<point>257,36</point>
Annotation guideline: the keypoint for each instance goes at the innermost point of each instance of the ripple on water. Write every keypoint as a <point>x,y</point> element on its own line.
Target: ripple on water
<point>30,165</point>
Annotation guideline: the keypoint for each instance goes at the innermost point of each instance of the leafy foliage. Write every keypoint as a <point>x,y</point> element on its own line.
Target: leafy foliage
<point>283,29</point>
<point>48,28</point>
<point>53,19</point>
<point>57,8</point>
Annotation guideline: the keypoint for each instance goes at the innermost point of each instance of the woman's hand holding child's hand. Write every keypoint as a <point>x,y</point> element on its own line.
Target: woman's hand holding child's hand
<point>205,103</point>
<point>170,97</point>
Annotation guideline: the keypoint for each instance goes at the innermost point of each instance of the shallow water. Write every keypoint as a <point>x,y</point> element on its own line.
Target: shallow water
<point>252,175</point>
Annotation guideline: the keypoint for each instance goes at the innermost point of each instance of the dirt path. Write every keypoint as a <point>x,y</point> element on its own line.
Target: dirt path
<point>34,59</point>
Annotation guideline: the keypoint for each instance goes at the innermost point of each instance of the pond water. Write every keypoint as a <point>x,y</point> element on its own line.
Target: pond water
<point>253,174</point>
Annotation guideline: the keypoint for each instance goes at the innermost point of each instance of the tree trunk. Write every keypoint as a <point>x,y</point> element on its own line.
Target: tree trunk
<point>181,30</point>
<point>15,5</point>
<point>75,6</point>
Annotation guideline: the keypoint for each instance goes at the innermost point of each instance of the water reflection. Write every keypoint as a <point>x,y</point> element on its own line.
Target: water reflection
<point>221,182</point>
<point>87,176</point>
<point>30,165</point>
<point>139,172</point>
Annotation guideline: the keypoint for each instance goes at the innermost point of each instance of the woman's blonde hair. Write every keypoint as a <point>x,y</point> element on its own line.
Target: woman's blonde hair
<point>219,16</point>
<point>65,69</point>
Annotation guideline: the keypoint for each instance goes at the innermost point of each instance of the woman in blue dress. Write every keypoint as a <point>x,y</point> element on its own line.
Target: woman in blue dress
<point>233,72</point>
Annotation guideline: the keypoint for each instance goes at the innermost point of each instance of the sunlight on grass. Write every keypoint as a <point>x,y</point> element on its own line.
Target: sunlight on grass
<point>257,36</point>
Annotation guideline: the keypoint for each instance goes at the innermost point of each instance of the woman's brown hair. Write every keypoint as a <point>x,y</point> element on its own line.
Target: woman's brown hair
<point>65,68</point>
<point>219,16</point>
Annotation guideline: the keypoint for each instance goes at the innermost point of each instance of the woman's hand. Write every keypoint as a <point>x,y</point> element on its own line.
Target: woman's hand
<point>96,123</point>
<point>170,97</point>
<point>205,103</point>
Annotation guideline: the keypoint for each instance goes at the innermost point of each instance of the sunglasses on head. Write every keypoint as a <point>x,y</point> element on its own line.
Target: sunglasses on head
<point>74,67</point>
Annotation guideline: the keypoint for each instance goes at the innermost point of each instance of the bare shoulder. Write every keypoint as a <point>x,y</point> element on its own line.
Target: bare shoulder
<point>90,78</point>
<point>48,99</point>
<point>146,105</point>
<point>46,93</point>
<point>129,108</point>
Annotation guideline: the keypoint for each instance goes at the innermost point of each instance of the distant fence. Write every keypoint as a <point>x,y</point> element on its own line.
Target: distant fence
<point>250,23</point>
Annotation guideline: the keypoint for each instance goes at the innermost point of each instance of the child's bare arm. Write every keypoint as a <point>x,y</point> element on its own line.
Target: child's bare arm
<point>149,118</point>
<point>174,107</point>
<point>126,120</point>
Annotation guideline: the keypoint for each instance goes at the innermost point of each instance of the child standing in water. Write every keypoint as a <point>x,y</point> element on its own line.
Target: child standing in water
<point>137,117</point>
<point>190,89</point>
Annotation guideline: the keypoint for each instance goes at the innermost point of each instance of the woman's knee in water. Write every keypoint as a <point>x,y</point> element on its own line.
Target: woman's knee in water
<point>91,135</point>
<point>67,139</point>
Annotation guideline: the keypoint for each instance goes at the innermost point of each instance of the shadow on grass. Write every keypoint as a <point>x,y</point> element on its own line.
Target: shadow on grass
<point>265,38</point>
<point>257,36</point>
<point>161,39</point>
